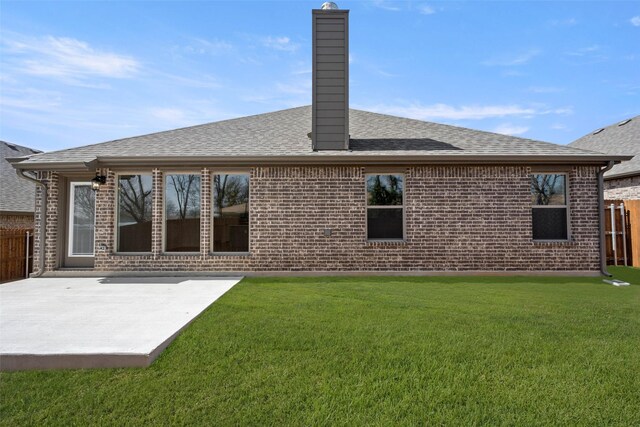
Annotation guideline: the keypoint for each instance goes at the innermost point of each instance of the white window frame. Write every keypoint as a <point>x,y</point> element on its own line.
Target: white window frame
<point>565,206</point>
<point>165,175</point>
<point>402,206</point>
<point>116,214</point>
<point>213,207</point>
<point>72,193</point>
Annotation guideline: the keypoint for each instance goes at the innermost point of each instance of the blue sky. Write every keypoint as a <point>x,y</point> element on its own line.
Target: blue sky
<point>74,73</point>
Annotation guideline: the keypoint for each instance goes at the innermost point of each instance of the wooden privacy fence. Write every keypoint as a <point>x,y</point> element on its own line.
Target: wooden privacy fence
<point>622,232</point>
<point>16,254</point>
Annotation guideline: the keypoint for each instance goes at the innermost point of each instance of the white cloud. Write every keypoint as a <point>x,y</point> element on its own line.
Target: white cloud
<point>383,4</point>
<point>558,126</point>
<point>545,89</point>
<point>635,21</point>
<point>584,50</point>
<point>465,112</point>
<point>512,73</point>
<point>280,43</point>
<point>204,46</point>
<point>513,60</point>
<point>65,58</point>
<point>509,129</point>
<point>204,81</point>
<point>426,9</point>
<point>569,22</point>
<point>171,115</point>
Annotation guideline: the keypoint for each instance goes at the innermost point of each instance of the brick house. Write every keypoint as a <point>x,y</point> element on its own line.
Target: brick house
<point>320,188</point>
<point>621,188</point>
<point>16,195</point>
<point>622,182</point>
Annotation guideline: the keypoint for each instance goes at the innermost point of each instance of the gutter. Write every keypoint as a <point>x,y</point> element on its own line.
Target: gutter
<point>333,158</point>
<point>603,254</point>
<point>43,219</point>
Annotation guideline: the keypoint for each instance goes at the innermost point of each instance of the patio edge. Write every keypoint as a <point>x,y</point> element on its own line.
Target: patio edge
<point>91,273</point>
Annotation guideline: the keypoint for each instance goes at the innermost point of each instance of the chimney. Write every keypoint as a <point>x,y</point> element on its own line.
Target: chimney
<point>330,97</point>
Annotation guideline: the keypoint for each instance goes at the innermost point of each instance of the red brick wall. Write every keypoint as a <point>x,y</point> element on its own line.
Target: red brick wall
<point>458,218</point>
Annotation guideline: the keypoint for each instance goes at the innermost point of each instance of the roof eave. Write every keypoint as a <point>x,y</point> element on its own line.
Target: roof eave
<point>351,159</point>
<point>622,175</point>
<point>20,164</point>
<point>154,161</point>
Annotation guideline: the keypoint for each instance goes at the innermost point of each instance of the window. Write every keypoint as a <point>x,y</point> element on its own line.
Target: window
<point>385,207</point>
<point>182,213</point>
<point>134,213</point>
<point>231,213</point>
<point>550,211</point>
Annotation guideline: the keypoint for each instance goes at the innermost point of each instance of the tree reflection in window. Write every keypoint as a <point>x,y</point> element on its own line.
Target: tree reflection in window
<point>548,189</point>
<point>385,210</point>
<point>231,213</point>
<point>182,215</point>
<point>549,211</point>
<point>134,213</point>
<point>384,190</point>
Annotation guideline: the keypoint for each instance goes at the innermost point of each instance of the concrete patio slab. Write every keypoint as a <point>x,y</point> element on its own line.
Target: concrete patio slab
<point>49,323</point>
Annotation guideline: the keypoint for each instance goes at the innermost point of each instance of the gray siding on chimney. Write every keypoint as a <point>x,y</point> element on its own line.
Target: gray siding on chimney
<point>330,62</point>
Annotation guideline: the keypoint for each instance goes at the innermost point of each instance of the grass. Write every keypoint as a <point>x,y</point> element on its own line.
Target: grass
<point>372,350</point>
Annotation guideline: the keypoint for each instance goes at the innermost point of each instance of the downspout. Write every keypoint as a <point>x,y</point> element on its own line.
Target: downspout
<point>603,243</point>
<point>43,218</point>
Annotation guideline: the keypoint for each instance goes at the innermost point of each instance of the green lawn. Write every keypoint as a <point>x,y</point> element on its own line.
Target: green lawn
<point>372,350</point>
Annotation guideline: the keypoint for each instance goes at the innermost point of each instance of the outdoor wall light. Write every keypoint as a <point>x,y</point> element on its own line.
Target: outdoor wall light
<point>98,181</point>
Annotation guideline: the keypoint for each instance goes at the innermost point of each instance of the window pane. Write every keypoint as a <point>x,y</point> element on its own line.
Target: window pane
<point>550,224</point>
<point>231,213</point>
<point>182,204</point>
<point>384,190</point>
<point>84,209</point>
<point>384,223</point>
<point>134,213</point>
<point>548,190</point>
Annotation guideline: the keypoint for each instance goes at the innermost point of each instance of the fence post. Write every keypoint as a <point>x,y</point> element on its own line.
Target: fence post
<point>624,231</point>
<point>613,233</point>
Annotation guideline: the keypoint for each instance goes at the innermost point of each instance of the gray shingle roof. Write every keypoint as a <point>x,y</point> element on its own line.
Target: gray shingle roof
<point>16,195</point>
<point>618,138</point>
<point>285,133</point>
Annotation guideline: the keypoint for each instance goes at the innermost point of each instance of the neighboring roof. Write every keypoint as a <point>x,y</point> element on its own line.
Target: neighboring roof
<point>619,138</point>
<point>16,194</point>
<point>283,136</point>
